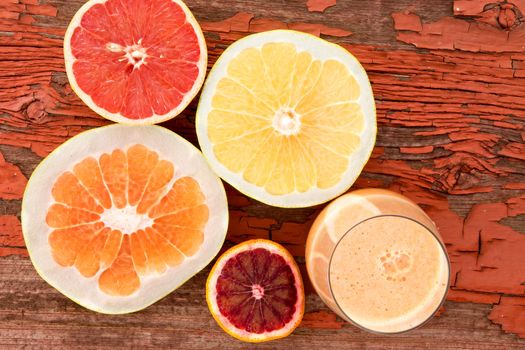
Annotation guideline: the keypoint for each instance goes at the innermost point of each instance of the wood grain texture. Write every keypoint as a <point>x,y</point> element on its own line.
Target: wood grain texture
<point>33,315</point>
<point>451,111</point>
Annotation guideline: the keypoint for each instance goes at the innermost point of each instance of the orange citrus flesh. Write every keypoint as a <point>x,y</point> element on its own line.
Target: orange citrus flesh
<point>91,232</point>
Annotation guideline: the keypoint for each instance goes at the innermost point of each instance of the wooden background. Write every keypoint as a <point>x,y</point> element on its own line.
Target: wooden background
<point>449,81</point>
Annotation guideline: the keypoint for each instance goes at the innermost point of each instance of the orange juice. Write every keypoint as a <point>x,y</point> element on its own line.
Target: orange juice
<point>377,260</point>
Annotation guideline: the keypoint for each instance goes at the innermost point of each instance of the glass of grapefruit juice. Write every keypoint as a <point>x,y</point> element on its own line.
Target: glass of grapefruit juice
<point>377,260</point>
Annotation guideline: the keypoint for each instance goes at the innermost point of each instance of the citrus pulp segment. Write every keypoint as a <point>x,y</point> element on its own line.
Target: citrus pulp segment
<point>118,217</point>
<point>135,61</point>
<point>287,118</point>
<point>255,291</point>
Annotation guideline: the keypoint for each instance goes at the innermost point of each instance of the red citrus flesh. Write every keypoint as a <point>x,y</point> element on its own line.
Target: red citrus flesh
<point>256,291</point>
<point>137,59</point>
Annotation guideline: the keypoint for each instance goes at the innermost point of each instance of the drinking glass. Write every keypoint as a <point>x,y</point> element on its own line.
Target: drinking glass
<point>377,260</point>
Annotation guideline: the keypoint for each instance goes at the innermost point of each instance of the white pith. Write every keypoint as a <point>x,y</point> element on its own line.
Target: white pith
<point>135,54</point>
<point>188,161</point>
<point>212,291</point>
<point>321,50</point>
<point>257,291</point>
<point>129,51</point>
<point>126,219</point>
<point>287,121</point>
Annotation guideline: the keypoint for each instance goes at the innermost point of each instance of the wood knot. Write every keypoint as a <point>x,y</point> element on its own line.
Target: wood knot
<point>60,83</point>
<point>508,16</point>
<point>501,14</point>
<point>36,112</point>
<point>459,178</point>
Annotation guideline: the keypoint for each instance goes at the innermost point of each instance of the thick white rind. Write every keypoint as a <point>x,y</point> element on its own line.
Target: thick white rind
<point>116,117</point>
<point>319,49</point>
<point>188,161</point>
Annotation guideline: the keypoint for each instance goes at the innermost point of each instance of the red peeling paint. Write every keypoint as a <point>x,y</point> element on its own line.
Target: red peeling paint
<point>11,239</point>
<point>321,320</point>
<point>235,198</point>
<point>492,271</point>
<point>416,150</point>
<point>263,24</point>
<point>43,10</point>
<point>8,14</point>
<point>514,186</point>
<point>26,19</point>
<point>12,181</point>
<point>470,146</point>
<point>32,2</point>
<point>473,297</point>
<point>243,227</point>
<point>457,112</point>
<point>407,21</point>
<point>233,28</point>
<point>318,29</point>
<point>320,5</point>
<point>239,22</point>
<point>294,234</point>
<point>514,150</point>
<point>510,314</point>
<point>478,28</point>
<point>506,125</point>
<point>468,7</point>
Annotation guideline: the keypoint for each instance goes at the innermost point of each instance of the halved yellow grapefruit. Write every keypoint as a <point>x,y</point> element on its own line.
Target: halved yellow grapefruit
<point>119,216</point>
<point>287,118</point>
<point>255,291</point>
<point>135,61</point>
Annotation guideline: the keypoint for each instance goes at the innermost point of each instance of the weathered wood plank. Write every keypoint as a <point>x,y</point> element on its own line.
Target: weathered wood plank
<point>34,315</point>
<point>451,137</point>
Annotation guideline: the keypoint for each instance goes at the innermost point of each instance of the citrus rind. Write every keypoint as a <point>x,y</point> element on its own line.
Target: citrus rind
<point>117,117</point>
<point>68,281</point>
<point>224,323</point>
<point>321,50</point>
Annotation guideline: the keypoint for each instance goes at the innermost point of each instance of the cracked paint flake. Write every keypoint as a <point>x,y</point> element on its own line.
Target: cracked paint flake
<point>510,314</point>
<point>319,5</point>
<point>12,181</point>
<point>480,26</point>
<point>11,240</point>
<point>451,124</point>
<point>247,23</point>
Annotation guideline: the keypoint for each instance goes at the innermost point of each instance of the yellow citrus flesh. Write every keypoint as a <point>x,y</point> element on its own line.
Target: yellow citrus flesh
<point>279,119</point>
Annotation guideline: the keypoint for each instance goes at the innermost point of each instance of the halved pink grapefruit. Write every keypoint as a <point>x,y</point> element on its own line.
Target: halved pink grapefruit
<point>135,61</point>
<point>255,291</point>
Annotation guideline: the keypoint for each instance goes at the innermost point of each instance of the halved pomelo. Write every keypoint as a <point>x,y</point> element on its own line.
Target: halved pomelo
<point>119,216</point>
<point>255,291</point>
<point>287,118</point>
<point>135,61</point>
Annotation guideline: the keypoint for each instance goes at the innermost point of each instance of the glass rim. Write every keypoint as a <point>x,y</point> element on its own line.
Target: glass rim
<point>441,244</point>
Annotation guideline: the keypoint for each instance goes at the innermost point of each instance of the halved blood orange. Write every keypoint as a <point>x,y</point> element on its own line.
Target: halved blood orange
<point>255,291</point>
<point>120,216</point>
<point>135,61</point>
